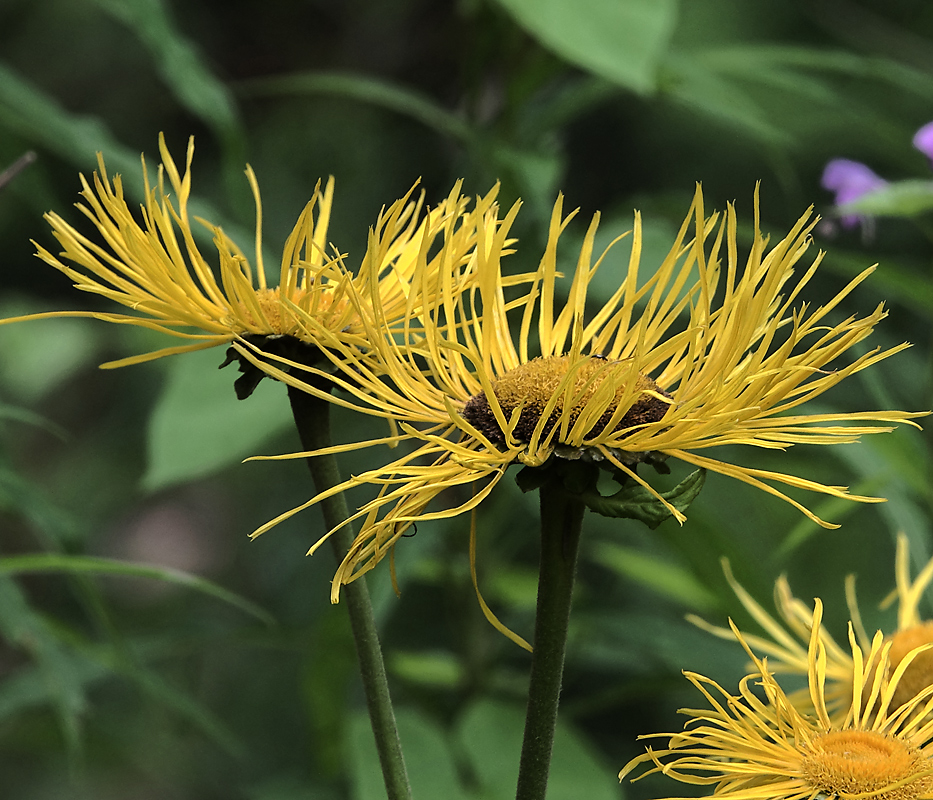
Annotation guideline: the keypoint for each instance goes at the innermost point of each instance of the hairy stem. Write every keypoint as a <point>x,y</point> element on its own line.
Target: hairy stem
<point>312,418</point>
<point>561,524</point>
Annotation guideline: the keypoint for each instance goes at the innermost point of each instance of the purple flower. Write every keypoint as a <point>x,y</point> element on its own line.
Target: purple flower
<point>923,140</point>
<point>850,180</point>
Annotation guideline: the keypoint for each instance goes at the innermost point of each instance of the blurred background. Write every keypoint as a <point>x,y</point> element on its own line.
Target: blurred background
<point>147,684</point>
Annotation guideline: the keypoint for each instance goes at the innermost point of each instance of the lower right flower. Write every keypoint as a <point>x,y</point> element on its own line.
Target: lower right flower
<point>757,745</point>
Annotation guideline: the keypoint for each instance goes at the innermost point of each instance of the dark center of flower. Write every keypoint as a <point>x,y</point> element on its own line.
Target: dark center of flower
<point>843,763</point>
<point>919,673</point>
<point>533,384</point>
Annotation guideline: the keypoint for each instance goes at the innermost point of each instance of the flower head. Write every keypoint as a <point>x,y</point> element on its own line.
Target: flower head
<point>156,269</point>
<point>786,637</point>
<point>923,140</point>
<point>849,180</point>
<point>758,745</point>
<point>708,349</point>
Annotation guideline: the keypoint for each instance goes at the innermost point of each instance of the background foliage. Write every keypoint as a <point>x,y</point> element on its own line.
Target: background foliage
<point>119,682</point>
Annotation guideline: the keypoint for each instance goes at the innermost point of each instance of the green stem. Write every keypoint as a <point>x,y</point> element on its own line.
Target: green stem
<point>561,524</point>
<point>312,418</point>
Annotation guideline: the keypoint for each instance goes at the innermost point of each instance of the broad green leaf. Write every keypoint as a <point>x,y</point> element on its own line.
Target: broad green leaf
<point>897,199</point>
<point>198,426</point>
<point>54,562</point>
<point>491,735</point>
<point>661,575</point>
<point>429,758</point>
<point>622,40</point>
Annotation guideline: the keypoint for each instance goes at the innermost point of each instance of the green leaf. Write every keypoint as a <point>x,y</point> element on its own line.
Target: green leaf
<point>622,40</point>
<point>198,426</point>
<point>894,282</point>
<point>21,496</point>
<point>55,679</point>
<point>40,118</point>
<point>428,668</point>
<point>702,89</point>
<point>429,758</point>
<point>664,577</point>
<point>491,733</point>
<point>760,60</point>
<point>36,358</point>
<point>37,117</point>
<point>374,91</point>
<point>633,501</point>
<point>54,562</point>
<point>897,199</point>
<point>178,61</point>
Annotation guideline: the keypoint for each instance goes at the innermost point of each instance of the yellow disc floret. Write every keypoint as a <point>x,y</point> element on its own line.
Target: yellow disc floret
<point>919,673</point>
<point>274,315</point>
<point>543,382</point>
<point>867,764</point>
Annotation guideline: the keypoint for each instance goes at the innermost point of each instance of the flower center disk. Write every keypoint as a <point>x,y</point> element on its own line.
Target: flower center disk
<point>919,673</point>
<point>532,385</point>
<point>866,762</point>
<point>279,319</point>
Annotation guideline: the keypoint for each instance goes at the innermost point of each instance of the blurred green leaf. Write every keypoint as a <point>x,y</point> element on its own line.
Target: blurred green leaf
<point>291,787</point>
<point>666,578</point>
<point>54,562</point>
<point>27,417</point>
<point>198,426</point>
<point>23,497</point>
<point>770,59</point>
<point>491,735</point>
<point>623,40</point>
<point>536,174</point>
<point>41,120</point>
<point>891,281</point>
<point>55,679</point>
<point>38,357</point>
<point>896,199</point>
<point>67,664</point>
<point>429,758</point>
<point>697,86</point>
<point>330,668</point>
<point>428,668</point>
<point>366,89</point>
<point>179,62</point>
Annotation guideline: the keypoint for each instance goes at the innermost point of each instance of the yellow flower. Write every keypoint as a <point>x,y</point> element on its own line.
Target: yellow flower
<point>785,640</point>
<point>709,348</point>
<point>156,269</point>
<point>758,745</point>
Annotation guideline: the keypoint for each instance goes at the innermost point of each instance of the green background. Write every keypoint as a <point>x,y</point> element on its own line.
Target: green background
<point>138,683</point>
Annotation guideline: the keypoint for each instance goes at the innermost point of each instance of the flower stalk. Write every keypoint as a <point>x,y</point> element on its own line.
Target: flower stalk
<point>312,419</point>
<point>561,525</point>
